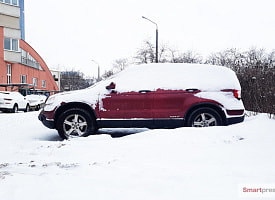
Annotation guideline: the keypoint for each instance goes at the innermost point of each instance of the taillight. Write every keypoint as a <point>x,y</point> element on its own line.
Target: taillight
<point>7,99</point>
<point>237,94</point>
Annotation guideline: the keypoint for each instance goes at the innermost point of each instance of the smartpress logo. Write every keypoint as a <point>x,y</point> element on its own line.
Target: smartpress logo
<point>257,190</point>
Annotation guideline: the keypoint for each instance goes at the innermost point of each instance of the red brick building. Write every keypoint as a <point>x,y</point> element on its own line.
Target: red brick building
<point>19,62</point>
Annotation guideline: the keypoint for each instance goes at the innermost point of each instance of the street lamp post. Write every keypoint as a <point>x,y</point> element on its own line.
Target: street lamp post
<point>156,36</point>
<point>98,70</point>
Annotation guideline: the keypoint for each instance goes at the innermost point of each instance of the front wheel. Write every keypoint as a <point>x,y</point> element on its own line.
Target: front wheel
<point>204,117</point>
<point>75,123</point>
<point>14,109</point>
<point>37,107</point>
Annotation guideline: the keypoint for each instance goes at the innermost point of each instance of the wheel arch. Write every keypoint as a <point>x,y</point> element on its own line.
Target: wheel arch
<point>205,105</point>
<point>70,105</point>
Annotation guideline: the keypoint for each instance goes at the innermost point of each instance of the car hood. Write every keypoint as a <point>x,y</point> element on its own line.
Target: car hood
<point>89,96</point>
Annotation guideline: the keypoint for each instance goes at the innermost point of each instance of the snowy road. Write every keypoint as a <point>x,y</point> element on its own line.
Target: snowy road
<point>184,163</point>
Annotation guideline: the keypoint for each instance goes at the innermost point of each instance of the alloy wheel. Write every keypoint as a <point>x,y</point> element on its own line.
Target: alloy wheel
<point>75,125</point>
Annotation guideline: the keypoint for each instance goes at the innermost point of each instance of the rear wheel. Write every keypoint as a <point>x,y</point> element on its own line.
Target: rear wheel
<point>27,108</point>
<point>204,117</point>
<point>75,122</point>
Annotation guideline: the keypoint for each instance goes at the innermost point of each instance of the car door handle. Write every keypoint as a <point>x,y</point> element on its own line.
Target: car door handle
<point>191,89</point>
<point>144,91</point>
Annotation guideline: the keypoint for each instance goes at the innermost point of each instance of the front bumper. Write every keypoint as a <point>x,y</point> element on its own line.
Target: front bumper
<point>48,123</point>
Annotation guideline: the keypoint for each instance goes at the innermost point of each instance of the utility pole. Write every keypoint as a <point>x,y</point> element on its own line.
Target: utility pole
<point>156,36</point>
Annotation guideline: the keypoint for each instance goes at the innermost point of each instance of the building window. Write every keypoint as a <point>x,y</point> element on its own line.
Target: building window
<point>23,79</point>
<point>11,44</point>
<point>11,2</point>
<point>7,43</point>
<point>15,2</point>
<point>14,44</point>
<point>8,73</point>
<point>43,83</point>
<point>34,81</point>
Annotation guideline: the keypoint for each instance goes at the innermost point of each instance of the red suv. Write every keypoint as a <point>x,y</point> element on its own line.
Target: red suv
<point>152,96</point>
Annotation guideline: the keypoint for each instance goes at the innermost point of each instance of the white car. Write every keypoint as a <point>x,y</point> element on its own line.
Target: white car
<point>36,101</point>
<point>13,101</point>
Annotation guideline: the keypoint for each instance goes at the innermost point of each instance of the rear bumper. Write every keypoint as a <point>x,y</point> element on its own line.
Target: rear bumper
<point>5,109</point>
<point>4,106</point>
<point>234,120</point>
<point>48,123</point>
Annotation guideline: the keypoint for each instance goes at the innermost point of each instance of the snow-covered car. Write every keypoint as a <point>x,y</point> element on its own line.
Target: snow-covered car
<point>36,101</point>
<point>152,96</point>
<point>13,101</point>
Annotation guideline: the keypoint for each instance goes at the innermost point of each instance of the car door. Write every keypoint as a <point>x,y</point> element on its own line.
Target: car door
<point>20,99</point>
<point>169,104</point>
<point>127,105</point>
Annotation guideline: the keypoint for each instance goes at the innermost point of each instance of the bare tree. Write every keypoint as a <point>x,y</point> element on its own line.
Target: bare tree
<point>120,64</point>
<point>188,57</point>
<point>73,80</point>
<point>146,54</point>
<point>107,74</point>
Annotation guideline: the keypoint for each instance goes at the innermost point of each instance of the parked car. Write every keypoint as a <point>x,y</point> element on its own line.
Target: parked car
<point>153,96</point>
<point>36,101</point>
<point>13,102</point>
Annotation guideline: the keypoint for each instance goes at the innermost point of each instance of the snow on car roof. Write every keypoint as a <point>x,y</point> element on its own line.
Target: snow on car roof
<point>175,76</point>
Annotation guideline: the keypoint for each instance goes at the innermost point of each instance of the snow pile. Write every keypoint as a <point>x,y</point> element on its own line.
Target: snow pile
<point>183,163</point>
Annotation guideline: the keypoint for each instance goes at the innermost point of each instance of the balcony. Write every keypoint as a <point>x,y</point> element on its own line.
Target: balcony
<point>30,63</point>
<point>10,10</point>
<point>12,56</point>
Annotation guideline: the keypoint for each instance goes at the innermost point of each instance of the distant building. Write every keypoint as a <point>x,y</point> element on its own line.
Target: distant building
<point>19,62</point>
<point>56,77</point>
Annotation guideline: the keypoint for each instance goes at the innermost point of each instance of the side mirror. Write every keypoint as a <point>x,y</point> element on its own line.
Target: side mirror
<point>111,86</point>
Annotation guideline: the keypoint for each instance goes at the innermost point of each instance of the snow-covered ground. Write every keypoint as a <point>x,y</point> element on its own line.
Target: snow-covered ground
<point>174,164</point>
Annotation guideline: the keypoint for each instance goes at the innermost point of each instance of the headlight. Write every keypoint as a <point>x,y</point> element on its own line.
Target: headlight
<point>50,100</point>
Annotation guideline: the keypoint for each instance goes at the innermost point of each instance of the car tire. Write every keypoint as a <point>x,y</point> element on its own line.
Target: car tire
<point>15,108</point>
<point>204,117</point>
<point>37,107</point>
<point>75,122</point>
<point>27,108</point>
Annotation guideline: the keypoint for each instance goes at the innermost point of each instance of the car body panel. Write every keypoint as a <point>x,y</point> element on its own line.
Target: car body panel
<point>36,101</point>
<point>127,105</point>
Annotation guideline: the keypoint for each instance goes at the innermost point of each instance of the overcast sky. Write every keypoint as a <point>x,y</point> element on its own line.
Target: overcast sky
<point>72,33</point>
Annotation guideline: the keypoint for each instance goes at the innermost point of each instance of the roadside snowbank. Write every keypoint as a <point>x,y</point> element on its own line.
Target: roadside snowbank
<point>183,163</point>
